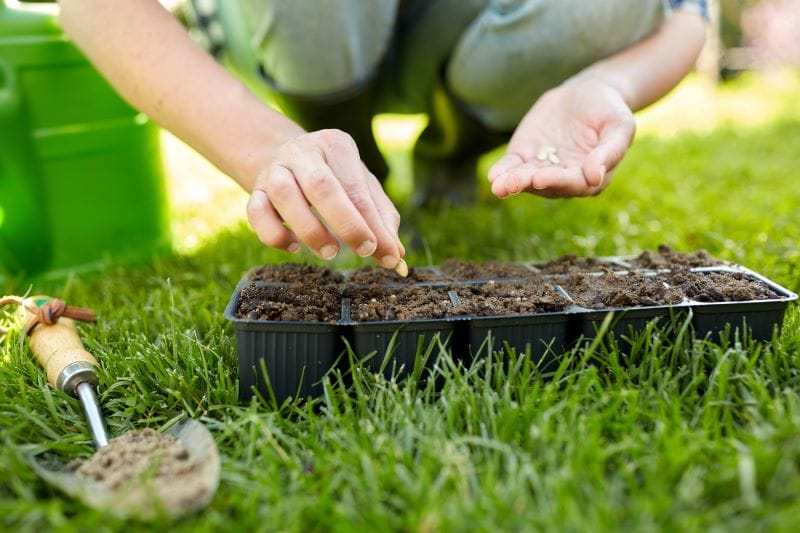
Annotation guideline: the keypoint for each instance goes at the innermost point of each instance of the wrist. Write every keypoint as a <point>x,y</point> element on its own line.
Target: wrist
<point>598,76</point>
<point>252,138</point>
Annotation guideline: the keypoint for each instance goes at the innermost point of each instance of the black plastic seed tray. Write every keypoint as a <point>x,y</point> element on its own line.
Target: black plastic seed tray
<point>293,356</point>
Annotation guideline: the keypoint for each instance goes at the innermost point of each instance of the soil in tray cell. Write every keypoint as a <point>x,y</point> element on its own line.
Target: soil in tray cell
<point>296,273</point>
<point>296,302</point>
<point>465,270</point>
<point>376,303</point>
<point>609,290</point>
<point>368,275</point>
<point>666,258</point>
<point>510,298</point>
<point>573,263</point>
<point>720,286</point>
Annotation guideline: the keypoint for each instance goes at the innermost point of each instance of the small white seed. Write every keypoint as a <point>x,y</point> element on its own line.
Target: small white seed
<point>546,153</point>
<point>401,269</point>
<point>553,158</point>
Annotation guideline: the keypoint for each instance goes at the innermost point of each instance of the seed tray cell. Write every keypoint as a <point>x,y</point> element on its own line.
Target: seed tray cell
<point>296,354</point>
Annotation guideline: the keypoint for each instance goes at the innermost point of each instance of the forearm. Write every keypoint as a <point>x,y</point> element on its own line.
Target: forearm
<point>149,58</point>
<point>649,69</point>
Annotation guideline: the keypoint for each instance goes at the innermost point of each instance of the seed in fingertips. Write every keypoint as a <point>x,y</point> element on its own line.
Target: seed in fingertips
<point>402,268</point>
<point>553,158</point>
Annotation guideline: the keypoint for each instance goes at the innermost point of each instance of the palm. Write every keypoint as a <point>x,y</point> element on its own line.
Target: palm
<point>587,128</point>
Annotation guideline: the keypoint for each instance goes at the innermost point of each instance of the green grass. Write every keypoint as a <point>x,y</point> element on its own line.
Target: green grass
<point>692,435</point>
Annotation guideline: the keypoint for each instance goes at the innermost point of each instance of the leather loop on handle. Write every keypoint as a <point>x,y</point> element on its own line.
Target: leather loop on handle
<point>55,345</point>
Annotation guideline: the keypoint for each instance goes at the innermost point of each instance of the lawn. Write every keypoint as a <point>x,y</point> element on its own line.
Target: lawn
<point>695,434</point>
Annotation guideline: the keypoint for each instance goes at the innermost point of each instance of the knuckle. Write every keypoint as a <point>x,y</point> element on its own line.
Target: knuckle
<point>318,179</point>
<point>335,138</point>
<point>394,217</point>
<point>280,188</point>
<point>351,231</point>
<point>361,200</point>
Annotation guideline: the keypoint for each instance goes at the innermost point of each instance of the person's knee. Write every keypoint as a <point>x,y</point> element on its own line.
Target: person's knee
<point>322,48</point>
<point>517,49</point>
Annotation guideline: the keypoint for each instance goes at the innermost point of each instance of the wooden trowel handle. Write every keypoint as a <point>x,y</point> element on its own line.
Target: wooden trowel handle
<point>60,351</point>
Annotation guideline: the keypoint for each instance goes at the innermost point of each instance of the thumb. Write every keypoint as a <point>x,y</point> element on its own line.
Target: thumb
<point>615,138</point>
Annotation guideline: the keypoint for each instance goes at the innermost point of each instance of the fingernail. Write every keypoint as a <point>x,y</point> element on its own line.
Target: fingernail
<point>402,248</point>
<point>293,248</point>
<point>602,174</point>
<point>389,261</point>
<point>328,251</point>
<point>366,248</point>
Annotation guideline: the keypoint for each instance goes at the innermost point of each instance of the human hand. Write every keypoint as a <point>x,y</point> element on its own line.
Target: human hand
<point>316,188</point>
<point>587,122</point>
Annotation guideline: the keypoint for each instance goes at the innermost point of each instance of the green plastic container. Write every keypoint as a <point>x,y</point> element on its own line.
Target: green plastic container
<point>80,171</point>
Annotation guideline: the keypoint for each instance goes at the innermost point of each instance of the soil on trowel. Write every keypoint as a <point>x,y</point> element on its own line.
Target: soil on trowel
<point>720,286</point>
<point>376,303</point>
<point>147,468</point>
<point>666,258</point>
<point>297,302</point>
<point>572,263</point>
<point>368,275</point>
<point>610,290</point>
<point>296,273</point>
<point>458,269</point>
<point>510,298</point>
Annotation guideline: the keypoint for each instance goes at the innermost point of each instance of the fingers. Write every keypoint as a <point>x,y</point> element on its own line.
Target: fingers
<point>506,163</point>
<point>543,180</point>
<point>386,209</point>
<point>358,185</point>
<point>615,138</point>
<point>288,199</point>
<point>268,225</point>
<point>318,180</point>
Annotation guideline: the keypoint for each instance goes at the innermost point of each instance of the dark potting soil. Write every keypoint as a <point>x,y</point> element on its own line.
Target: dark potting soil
<point>510,298</point>
<point>296,302</point>
<point>368,275</point>
<point>666,258</point>
<point>573,263</point>
<point>609,290</point>
<point>374,303</point>
<point>720,286</point>
<point>315,295</point>
<point>296,273</point>
<point>456,269</point>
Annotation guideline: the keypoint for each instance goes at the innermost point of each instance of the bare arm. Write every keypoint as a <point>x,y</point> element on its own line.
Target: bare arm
<point>149,58</point>
<point>651,68</point>
<point>589,118</point>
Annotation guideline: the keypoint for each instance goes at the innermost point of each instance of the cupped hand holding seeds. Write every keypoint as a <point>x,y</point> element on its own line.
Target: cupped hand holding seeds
<point>568,143</point>
<point>314,189</point>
